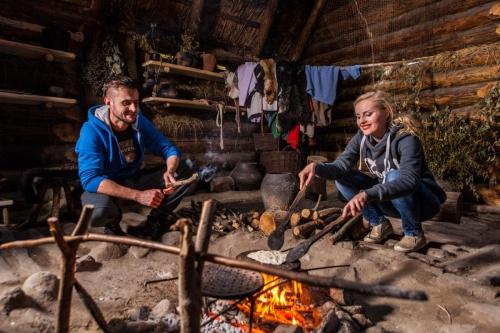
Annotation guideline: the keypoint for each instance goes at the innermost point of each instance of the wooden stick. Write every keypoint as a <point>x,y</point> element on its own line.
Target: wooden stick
<point>328,211</point>
<point>204,231</point>
<point>91,307</point>
<point>296,219</point>
<point>187,181</point>
<point>68,260</point>
<point>338,235</point>
<point>330,282</point>
<point>189,281</point>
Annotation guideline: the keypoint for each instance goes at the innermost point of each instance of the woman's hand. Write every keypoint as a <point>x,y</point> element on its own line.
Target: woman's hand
<point>307,174</point>
<point>355,205</point>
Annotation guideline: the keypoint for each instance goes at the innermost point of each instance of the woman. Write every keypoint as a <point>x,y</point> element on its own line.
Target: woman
<point>398,182</point>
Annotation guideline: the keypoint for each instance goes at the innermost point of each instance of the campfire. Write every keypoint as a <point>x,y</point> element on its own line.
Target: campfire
<point>283,302</point>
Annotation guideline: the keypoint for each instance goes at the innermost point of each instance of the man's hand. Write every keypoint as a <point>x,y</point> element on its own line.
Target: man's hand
<point>307,174</point>
<point>168,178</point>
<point>151,198</point>
<point>355,205</point>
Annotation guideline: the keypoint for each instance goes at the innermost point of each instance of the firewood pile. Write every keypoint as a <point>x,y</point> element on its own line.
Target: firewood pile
<point>225,219</point>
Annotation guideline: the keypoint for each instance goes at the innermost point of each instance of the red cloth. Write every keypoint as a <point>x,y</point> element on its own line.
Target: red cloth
<point>293,137</point>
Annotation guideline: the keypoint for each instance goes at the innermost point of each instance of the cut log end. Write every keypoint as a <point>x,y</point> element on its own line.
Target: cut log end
<point>269,220</point>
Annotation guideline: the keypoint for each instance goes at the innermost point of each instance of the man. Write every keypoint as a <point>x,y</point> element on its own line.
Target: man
<point>110,154</point>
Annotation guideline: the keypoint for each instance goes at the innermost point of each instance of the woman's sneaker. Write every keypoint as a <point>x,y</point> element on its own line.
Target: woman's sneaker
<point>410,243</point>
<point>379,233</point>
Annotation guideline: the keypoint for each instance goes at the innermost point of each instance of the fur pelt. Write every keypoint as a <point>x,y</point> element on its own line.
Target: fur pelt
<point>293,107</point>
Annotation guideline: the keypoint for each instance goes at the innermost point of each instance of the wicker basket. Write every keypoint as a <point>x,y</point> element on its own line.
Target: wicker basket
<point>265,142</point>
<point>281,161</point>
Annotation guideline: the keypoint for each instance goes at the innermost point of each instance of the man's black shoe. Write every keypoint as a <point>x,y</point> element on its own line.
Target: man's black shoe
<point>114,229</point>
<point>153,229</point>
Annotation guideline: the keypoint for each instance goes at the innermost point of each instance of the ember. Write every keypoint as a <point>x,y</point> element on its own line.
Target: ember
<point>283,302</point>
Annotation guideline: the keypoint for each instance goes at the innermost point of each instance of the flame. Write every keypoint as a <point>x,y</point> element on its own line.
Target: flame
<point>282,302</point>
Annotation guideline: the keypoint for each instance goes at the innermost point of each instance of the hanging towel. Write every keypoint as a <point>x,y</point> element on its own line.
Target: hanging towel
<point>322,113</point>
<point>255,110</point>
<point>350,71</point>
<point>322,82</point>
<point>231,82</point>
<point>246,81</point>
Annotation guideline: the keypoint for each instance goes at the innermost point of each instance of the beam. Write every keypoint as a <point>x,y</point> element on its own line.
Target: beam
<point>306,32</point>
<point>265,26</point>
<point>195,19</point>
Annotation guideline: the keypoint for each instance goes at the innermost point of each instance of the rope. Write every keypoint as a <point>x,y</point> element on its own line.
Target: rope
<point>219,121</point>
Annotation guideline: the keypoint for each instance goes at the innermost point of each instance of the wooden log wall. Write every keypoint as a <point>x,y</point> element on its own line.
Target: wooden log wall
<point>40,135</point>
<point>452,53</point>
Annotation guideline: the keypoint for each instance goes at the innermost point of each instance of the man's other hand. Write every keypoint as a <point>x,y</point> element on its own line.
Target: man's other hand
<point>169,179</point>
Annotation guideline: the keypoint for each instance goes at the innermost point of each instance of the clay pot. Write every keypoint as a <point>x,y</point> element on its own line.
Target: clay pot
<point>278,190</point>
<point>186,59</point>
<point>209,61</point>
<point>246,175</point>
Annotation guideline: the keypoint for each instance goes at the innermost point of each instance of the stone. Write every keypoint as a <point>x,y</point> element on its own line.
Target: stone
<point>107,251</point>
<point>329,323</point>
<point>288,329</point>
<point>437,253</point>
<point>142,313</point>
<point>171,238</point>
<point>138,252</point>
<point>87,263</point>
<point>161,309</point>
<point>13,299</point>
<point>353,309</point>
<point>42,287</point>
<point>347,327</point>
<point>170,323</point>
<point>361,320</point>
<point>340,296</point>
<point>120,326</point>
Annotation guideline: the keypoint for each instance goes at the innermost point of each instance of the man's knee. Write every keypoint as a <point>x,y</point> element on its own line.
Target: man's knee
<point>106,210</point>
<point>104,216</point>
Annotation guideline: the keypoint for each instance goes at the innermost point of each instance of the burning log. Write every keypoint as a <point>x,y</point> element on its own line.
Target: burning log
<point>270,219</point>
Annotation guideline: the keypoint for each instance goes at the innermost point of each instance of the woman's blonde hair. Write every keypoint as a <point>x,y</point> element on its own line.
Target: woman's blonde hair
<point>408,123</point>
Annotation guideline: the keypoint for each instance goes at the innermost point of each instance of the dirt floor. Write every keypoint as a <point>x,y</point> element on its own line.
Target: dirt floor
<point>459,270</point>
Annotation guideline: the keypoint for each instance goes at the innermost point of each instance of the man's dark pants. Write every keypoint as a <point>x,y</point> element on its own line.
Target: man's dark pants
<point>107,209</point>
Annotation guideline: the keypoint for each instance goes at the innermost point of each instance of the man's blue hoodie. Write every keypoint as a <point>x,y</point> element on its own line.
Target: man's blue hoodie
<point>100,157</point>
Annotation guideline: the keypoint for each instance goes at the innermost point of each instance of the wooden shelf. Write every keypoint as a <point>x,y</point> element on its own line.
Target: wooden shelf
<point>35,52</point>
<point>183,70</point>
<point>27,99</point>
<point>184,103</point>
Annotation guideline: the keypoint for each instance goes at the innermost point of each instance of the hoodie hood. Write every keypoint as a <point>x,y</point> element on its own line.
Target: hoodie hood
<point>101,112</point>
<point>378,156</point>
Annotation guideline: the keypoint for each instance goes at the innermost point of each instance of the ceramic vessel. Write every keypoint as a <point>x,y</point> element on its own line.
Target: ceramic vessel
<point>246,175</point>
<point>278,190</point>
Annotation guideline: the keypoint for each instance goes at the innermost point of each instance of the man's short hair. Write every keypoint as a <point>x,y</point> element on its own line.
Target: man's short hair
<point>117,82</point>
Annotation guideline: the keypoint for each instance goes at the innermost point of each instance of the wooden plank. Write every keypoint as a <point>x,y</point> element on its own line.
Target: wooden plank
<point>26,99</point>
<point>184,103</point>
<point>35,52</point>
<point>183,70</point>
<point>6,203</point>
